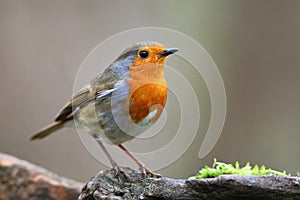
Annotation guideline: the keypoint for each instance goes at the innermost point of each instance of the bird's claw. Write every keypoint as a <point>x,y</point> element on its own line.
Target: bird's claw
<point>148,173</point>
<point>121,174</point>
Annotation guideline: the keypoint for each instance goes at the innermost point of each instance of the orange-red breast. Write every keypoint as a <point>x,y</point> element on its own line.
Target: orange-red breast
<point>121,102</point>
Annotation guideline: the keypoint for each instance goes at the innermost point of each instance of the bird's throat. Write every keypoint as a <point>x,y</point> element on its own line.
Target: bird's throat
<point>147,92</point>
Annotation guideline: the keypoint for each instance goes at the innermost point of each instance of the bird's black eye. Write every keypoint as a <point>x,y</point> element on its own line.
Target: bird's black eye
<point>144,54</point>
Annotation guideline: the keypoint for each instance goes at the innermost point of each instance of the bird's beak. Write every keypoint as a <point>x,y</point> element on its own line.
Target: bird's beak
<point>167,52</point>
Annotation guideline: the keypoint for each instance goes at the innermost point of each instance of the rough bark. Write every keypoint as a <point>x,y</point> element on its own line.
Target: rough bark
<point>22,180</point>
<point>105,185</point>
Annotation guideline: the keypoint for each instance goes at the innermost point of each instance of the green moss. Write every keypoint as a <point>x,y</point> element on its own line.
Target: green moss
<point>219,168</point>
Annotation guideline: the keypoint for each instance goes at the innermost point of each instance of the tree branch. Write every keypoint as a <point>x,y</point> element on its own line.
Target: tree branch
<point>106,186</point>
<point>20,179</point>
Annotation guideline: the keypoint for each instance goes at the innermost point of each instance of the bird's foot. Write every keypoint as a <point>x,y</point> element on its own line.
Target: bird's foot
<point>121,174</point>
<point>148,173</point>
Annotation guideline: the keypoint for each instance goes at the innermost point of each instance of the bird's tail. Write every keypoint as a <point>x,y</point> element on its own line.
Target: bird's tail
<point>47,130</point>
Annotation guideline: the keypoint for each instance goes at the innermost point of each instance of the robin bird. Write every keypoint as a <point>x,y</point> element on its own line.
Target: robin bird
<point>119,104</point>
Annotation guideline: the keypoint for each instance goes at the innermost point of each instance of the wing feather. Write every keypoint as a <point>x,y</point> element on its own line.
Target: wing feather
<point>81,99</point>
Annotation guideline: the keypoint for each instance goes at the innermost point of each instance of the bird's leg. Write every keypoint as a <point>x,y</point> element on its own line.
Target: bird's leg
<point>114,163</point>
<point>111,160</point>
<point>141,165</point>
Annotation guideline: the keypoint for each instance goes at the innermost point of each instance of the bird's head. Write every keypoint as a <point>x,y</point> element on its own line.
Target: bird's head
<point>147,57</point>
<point>151,53</point>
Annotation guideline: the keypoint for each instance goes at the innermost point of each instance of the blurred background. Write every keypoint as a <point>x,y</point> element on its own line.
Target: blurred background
<point>255,45</point>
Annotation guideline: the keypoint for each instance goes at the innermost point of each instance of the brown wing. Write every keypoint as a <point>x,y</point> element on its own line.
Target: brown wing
<point>84,95</point>
<point>89,93</point>
<point>100,86</point>
<point>82,98</point>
